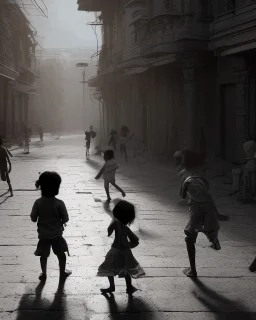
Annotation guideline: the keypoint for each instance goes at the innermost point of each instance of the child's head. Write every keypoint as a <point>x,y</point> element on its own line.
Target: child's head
<point>178,157</point>
<point>49,183</point>
<point>109,155</point>
<point>125,212</point>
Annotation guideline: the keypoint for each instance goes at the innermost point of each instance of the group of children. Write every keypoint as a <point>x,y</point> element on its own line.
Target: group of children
<point>51,216</point>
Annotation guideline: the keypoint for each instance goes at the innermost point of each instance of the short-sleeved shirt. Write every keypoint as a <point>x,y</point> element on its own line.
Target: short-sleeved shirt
<point>122,233</point>
<point>110,170</point>
<point>3,157</point>
<point>50,215</point>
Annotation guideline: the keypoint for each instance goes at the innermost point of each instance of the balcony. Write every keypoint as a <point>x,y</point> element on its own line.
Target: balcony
<point>90,5</point>
<point>234,31</point>
<point>160,37</point>
<point>29,63</point>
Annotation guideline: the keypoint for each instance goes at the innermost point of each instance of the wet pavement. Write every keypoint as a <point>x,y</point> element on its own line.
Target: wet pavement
<point>225,288</point>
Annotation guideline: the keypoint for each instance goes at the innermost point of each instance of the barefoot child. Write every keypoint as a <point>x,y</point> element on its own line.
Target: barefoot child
<point>202,216</point>
<point>50,214</point>
<point>109,171</point>
<point>120,260</point>
<point>4,172</point>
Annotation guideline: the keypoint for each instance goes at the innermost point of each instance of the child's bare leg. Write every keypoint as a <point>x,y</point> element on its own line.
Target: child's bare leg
<point>43,262</point>
<point>111,286</point>
<point>191,249</point>
<point>106,186</point>
<point>118,188</point>
<point>252,267</point>
<point>9,183</point>
<point>62,264</point>
<point>130,289</point>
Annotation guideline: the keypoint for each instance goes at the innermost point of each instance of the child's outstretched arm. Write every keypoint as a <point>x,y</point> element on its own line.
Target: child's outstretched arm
<point>100,172</point>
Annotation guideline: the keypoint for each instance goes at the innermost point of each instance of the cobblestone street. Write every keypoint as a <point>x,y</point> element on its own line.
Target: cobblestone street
<point>225,288</point>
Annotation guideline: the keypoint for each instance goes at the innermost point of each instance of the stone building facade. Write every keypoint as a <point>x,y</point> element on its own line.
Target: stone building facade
<point>18,69</point>
<point>179,73</point>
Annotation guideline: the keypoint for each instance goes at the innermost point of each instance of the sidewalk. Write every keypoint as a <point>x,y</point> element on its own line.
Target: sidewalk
<point>225,290</point>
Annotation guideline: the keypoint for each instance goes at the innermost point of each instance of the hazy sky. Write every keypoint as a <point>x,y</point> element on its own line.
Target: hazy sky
<point>66,27</point>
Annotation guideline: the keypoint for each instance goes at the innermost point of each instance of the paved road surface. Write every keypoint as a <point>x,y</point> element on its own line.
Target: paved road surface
<point>225,289</point>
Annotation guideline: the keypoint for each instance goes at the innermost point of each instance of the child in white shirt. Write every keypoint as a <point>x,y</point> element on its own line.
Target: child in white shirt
<point>109,171</point>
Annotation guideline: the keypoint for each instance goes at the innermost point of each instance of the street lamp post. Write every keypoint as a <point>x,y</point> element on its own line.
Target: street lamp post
<point>83,65</point>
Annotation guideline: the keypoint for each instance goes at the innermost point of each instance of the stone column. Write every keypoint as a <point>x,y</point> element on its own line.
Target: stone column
<point>189,65</point>
<point>241,107</point>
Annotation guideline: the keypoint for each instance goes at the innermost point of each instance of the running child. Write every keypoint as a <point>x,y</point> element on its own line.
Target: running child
<point>109,172</point>
<point>50,214</point>
<point>119,260</point>
<point>4,171</point>
<point>203,216</point>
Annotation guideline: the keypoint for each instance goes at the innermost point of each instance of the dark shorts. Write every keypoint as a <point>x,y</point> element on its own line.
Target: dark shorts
<point>58,245</point>
<point>88,144</point>
<point>202,219</point>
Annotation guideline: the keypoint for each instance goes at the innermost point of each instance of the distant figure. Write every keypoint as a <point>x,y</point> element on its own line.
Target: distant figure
<point>109,172</point>
<point>178,160</point>
<point>203,213</point>
<point>88,136</point>
<point>41,133</point>
<point>124,138</point>
<point>112,140</point>
<point>51,215</point>
<point>26,140</point>
<point>119,260</point>
<point>4,171</point>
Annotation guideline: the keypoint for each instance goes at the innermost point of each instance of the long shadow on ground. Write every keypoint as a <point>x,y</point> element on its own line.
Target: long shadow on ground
<point>223,308</point>
<point>33,307</point>
<point>136,309</point>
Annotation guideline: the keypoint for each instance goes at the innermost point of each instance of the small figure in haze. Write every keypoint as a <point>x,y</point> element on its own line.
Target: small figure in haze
<point>41,133</point>
<point>252,267</point>
<point>123,140</point>
<point>109,172</point>
<point>89,135</point>
<point>119,260</point>
<point>30,133</point>
<point>203,211</point>
<point>51,216</point>
<point>178,160</point>
<point>112,140</point>
<point>26,139</point>
<point>4,162</point>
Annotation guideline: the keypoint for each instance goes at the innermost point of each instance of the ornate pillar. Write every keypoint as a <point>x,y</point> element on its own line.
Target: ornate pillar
<point>189,65</point>
<point>241,107</point>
